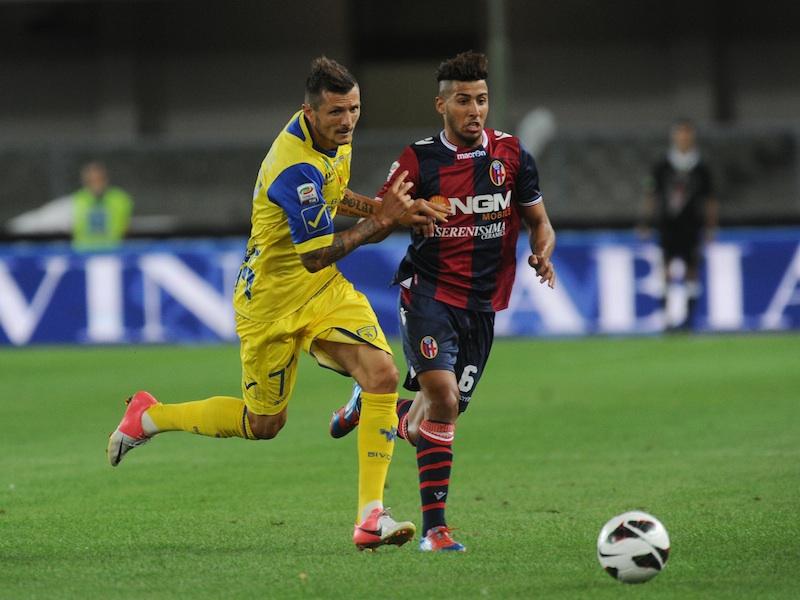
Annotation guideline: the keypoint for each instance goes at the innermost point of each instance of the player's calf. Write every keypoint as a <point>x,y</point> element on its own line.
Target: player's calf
<point>266,427</point>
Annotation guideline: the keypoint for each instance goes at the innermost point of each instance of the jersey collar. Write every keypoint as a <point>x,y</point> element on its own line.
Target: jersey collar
<point>310,140</point>
<point>454,148</point>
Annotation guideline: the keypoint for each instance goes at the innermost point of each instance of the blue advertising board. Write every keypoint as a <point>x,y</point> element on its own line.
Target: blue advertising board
<point>180,291</point>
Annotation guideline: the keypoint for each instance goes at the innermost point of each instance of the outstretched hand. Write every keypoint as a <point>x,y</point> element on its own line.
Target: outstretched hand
<point>396,202</point>
<point>545,269</point>
<point>424,214</point>
<point>397,207</point>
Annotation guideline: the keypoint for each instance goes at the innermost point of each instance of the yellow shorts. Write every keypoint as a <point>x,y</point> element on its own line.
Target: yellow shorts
<point>270,351</point>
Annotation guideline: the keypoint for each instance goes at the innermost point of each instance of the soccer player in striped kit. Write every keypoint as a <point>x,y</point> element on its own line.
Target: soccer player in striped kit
<point>456,275</point>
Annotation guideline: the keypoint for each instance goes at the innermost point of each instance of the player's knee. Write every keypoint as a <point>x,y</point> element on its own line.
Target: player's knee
<point>381,378</point>
<point>444,397</point>
<point>450,403</point>
<point>266,427</point>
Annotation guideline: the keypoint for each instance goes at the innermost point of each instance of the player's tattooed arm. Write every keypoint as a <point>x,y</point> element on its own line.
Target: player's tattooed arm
<point>344,242</point>
<point>542,241</point>
<point>394,207</point>
<point>358,205</point>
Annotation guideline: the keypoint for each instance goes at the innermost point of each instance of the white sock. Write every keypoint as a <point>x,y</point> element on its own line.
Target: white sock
<point>148,426</point>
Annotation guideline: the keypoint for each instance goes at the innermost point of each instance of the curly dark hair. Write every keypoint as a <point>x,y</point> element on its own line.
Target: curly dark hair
<point>327,74</point>
<point>467,66</point>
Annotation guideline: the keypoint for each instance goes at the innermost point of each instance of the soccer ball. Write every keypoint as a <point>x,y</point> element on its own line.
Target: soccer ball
<point>633,547</point>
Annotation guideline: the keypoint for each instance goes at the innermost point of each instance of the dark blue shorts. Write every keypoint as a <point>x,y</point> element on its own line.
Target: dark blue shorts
<point>437,336</point>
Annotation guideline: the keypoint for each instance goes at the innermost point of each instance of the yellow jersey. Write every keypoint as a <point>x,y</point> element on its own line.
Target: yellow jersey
<point>298,189</point>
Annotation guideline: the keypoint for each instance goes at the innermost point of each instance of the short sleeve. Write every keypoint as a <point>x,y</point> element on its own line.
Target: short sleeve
<point>406,162</point>
<point>298,191</point>
<point>528,192</point>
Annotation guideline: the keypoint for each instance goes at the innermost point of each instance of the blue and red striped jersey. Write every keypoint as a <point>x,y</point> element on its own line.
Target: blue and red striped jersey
<point>470,261</point>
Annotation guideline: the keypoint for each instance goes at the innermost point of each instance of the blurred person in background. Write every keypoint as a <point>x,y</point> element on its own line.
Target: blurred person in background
<point>101,212</point>
<point>681,206</point>
<point>456,275</point>
<point>290,297</point>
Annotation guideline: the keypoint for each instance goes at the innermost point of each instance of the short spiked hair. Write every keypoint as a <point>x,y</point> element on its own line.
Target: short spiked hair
<point>327,74</point>
<point>467,66</point>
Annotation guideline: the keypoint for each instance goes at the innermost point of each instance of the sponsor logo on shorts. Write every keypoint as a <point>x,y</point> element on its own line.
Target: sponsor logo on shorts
<point>307,194</point>
<point>497,173</point>
<point>429,347</point>
<point>369,333</point>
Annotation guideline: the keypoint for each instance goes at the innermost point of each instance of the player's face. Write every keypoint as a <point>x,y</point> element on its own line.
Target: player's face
<point>334,120</point>
<point>464,106</point>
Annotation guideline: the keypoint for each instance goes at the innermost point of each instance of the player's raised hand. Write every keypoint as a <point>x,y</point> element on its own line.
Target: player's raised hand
<point>396,202</point>
<point>545,269</point>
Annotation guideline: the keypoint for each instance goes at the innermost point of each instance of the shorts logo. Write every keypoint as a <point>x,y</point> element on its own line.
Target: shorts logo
<point>429,347</point>
<point>369,333</point>
<point>497,173</point>
<point>307,194</point>
<point>316,218</point>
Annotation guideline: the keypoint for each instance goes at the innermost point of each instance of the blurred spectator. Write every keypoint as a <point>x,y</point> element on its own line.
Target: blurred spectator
<point>537,129</point>
<point>680,204</point>
<point>100,213</point>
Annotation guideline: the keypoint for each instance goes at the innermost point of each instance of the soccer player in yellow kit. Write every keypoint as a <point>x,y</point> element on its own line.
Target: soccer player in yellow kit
<point>290,296</point>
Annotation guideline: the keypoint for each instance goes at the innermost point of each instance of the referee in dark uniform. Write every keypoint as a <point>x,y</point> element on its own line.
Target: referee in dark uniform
<point>681,205</point>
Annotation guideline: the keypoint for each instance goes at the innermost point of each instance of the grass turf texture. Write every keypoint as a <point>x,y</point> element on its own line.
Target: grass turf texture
<point>702,432</point>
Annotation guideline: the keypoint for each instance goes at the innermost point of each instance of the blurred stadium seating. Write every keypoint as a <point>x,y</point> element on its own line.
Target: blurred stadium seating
<point>591,179</point>
<point>181,100</point>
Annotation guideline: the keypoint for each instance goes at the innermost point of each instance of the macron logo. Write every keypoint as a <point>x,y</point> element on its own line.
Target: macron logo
<point>474,154</point>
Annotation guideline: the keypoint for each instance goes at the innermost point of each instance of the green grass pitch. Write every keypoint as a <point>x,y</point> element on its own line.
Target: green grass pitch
<point>701,431</point>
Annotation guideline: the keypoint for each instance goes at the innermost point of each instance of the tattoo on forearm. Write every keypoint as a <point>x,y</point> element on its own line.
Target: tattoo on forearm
<point>343,244</point>
<point>357,205</point>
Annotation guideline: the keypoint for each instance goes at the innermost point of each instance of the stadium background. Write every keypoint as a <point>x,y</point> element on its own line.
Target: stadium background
<point>181,101</point>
